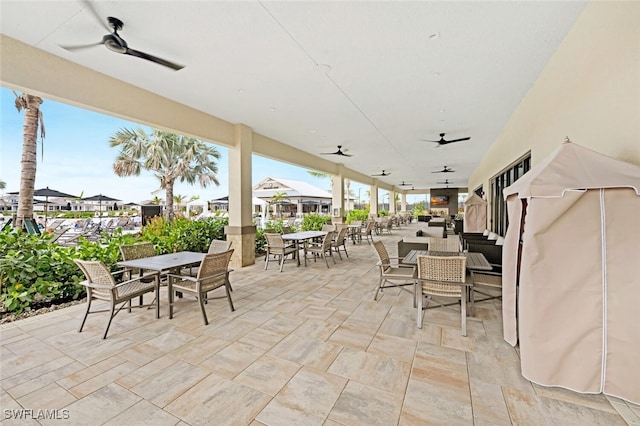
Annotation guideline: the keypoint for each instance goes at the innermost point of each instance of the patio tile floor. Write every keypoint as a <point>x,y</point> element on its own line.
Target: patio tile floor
<point>308,346</point>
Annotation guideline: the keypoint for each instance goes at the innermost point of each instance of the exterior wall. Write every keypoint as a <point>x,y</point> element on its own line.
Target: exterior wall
<point>452,193</point>
<point>589,91</point>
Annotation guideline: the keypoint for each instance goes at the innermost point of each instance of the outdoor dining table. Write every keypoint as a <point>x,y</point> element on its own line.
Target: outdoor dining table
<point>475,261</point>
<point>163,262</point>
<point>301,238</point>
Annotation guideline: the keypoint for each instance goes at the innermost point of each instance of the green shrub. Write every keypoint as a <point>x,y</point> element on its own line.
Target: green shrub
<point>183,234</point>
<point>361,215</point>
<point>314,222</point>
<point>261,242</point>
<point>33,270</point>
<point>107,248</point>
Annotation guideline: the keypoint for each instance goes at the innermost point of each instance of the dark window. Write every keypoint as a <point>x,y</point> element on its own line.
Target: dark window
<point>515,171</point>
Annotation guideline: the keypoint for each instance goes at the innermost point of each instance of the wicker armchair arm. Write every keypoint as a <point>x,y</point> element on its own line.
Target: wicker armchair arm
<point>183,277</point>
<point>93,285</point>
<point>127,282</point>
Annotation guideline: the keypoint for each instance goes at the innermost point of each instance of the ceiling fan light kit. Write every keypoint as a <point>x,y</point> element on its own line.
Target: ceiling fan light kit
<point>338,152</point>
<point>445,169</point>
<point>443,141</point>
<point>117,44</point>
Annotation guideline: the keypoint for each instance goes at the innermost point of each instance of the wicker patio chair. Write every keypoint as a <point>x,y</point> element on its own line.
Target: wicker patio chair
<point>444,244</point>
<point>340,240</point>
<point>328,227</point>
<point>213,273</point>
<point>442,276</point>
<point>367,231</point>
<point>277,247</point>
<point>322,249</point>
<point>138,251</point>
<point>101,285</point>
<point>391,271</point>
<point>218,246</point>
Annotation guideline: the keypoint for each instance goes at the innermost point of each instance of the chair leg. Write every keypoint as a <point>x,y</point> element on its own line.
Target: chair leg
<point>266,260</point>
<point>380,283</point>
<point>282,256</point>
<point>227,287</point>
<point>473,306</point>
<point>338,250</point>
<point>157,299</point>
<point>464,314</point>
<point>86,313</point>
<point>333,258</point>
<point>170,288</point>
<point>420,298</point>
<point>344,246</point>
<point>111,315</point>
<point>204,314</point>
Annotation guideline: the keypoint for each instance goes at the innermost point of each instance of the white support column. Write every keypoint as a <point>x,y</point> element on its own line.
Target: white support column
<point>403,202</point>
<point>337,196</point>
<point>373,201</point>
<point>241,231</point>
<point>392,202</point>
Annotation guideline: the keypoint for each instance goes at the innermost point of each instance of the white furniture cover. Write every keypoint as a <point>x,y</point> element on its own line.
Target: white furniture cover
<point>475,214</point>
<point>574,223</point>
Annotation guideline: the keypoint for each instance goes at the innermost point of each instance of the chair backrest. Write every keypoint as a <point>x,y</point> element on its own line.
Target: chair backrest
<point>286,230</point>
<point>442,268</point>
<point>123,221</point>
<point>444,244</point>
<point>328,227</point>
<point>342,235</point>
<point>370,225</point>
<point>274,240</point>
<point>383,255</point>
<point>96,272</point>
<point>328,239</point>
<point>218,246</point>
<point>214,265</point>
<point>55,224</point>
<point>137,251</point>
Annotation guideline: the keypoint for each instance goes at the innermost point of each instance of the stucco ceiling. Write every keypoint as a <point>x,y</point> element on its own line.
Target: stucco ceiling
<point>374,77</point>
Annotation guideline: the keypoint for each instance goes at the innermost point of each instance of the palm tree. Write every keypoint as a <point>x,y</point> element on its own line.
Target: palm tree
<point>179,199</point>
<point>277,199</point>
<point>32,122</point>
<point>170,157</point>
<point>157,200</point>
<point>3,184</point>
<point>321,175</point>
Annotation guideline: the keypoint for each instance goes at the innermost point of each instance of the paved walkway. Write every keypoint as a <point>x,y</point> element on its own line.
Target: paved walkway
<point>308,346</point>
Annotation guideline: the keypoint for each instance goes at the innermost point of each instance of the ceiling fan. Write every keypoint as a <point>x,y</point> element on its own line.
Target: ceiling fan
<point>117,44</point>
<point>446,182</point>
<point>443,141</point>
<point>446,169</point>
<point>382,174</point>
<point>338,152</point>
<point>405,184</point>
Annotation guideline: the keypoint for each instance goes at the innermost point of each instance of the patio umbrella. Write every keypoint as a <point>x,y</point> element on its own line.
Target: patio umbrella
<point>100,198</point>
<point>46,193</point>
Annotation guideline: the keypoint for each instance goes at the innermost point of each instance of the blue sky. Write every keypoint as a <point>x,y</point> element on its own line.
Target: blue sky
<point>78,160</point>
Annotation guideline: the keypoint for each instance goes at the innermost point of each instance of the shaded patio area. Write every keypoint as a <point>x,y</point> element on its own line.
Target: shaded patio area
<point>305,346</point>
